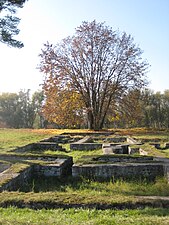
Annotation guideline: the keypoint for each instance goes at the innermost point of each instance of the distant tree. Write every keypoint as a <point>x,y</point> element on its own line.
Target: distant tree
<point>8,109</point>
<point>37,102</point>
<point>18,110</point>
<point>166,108</point>
<point>9,23</point>
<point>156,109</point>
<point>98,63</point>
<point>26,110</point>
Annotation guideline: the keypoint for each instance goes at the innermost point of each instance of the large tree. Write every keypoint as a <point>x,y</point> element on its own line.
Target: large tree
<point>9,23</point>
<point>98,63</point>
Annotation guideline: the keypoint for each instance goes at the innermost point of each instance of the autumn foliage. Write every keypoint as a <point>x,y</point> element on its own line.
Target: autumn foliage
<point>87,74</point>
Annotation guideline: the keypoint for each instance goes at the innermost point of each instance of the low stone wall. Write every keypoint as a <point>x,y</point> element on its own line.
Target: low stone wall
<point>111,148</point>
<point>158,145</point>
<point>85,146</point>
<point>47,145</point>
<point>131,140</point>
<point>106,167</point>
<point>114,159</point>
<point>99,133</point>
<point>62,167</point>
<point>22,158</point>
<point>116,139</point>
<point>16,180</point>
<point>132,171</point>
<point>40,146</point>
<point>50,166</point>
<point>85,143</point>
<point>58,139</point>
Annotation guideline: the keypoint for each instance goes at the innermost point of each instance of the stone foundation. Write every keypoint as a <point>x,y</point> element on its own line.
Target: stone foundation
<point>108,167</point>
<point>56,167</point>
<point>61,168</point>
<point>130,171</point>
<point>85,146</point>
<point>13,181</point>
<point>40,146</point>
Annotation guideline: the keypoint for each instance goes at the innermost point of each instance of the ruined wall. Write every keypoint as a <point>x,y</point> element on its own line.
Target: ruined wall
<point>85,146</point>
<point>132,171</point>
<point>64,168</point>
<point>17,180</point>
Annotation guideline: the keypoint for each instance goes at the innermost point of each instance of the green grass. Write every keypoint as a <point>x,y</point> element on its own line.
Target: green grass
<point>145,216</point>
<point>83,192</point>
<point>94,188</point>
<point>68,191</point>
<point>12,138</point>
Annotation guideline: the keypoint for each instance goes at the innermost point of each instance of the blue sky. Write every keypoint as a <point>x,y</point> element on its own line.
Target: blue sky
<point>51,20</point>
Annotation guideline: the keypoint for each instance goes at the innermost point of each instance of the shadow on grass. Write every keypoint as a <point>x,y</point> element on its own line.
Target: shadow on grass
<point>45,184</point>
<point>119,187</point>
<point>154,212</point>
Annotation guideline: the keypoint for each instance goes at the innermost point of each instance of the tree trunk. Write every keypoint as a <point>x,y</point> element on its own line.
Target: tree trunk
<point>92,125</point>
<point>90,120</point>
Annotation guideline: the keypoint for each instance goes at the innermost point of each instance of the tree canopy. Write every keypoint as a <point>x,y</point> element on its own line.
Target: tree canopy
<point>9,23</point>
<point>99,64</point>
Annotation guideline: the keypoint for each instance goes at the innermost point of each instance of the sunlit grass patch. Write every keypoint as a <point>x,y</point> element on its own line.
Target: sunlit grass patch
<point>12,138</point>
<point>145,216</point>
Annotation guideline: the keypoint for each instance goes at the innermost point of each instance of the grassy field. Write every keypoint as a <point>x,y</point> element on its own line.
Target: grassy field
<point>149,216</point>
<point>83,201</point>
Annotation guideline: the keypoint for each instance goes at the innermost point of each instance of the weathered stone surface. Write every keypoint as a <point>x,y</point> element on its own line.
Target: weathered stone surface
<point>60,168</point>
<point>58,139</point>
<point>40,146</point>
<point>46,145</point>
<point>116,139</point>
<point>13,181</point>
<point>134,150</point>
<point>120,158</point>
<point>4,166</point>
<point>111,148</point>
<point>99,133</point>
<point>129,171</point>
<point>131,140</point>
<point>50,166</point>
<point>85,146</point>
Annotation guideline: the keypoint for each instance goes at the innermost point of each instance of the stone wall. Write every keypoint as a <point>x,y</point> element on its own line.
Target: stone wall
<point>16,180</point>
<point>116,139</point>
<point>40,146</point>
<point>122,158</point>
<point>132,171</point>
<point>60,168</point>
<point>57,167</point>
<point>85,146</point>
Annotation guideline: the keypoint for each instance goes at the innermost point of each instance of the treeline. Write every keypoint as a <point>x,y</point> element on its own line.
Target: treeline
<point>135,109</point>
<point>21,110</point>
<point>142,109</point>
